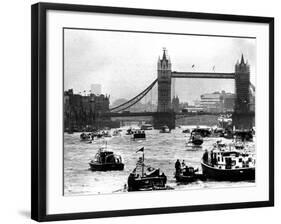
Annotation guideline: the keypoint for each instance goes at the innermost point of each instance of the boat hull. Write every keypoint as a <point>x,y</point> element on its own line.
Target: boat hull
<point>146,183</point>
<point>189,179</point>
<point>106,167</point>
<point>197,141</point>
<point>228,174</point>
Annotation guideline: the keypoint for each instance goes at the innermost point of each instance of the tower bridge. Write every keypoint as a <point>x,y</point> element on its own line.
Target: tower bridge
<point>242,116</point>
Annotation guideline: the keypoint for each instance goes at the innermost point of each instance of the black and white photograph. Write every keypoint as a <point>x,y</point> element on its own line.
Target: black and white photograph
<point>154,111</point>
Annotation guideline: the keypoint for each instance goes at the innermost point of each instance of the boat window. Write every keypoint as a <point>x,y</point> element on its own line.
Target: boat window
<point>240,160</point>
<point>218,159</point>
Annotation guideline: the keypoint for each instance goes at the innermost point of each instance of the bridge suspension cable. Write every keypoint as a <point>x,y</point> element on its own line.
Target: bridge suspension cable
<point>134,100</point>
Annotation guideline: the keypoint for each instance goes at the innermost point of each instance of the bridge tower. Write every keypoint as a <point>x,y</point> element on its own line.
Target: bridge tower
<point>164,69</point>
<point>243,118</point>
<point>242,86</point>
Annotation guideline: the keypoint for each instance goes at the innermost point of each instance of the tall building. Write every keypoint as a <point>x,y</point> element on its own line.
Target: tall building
<point>217,102</point>
<point>96,89</point>
<point>211,102</point>
<point>242,84</point>
<point>164,68</point>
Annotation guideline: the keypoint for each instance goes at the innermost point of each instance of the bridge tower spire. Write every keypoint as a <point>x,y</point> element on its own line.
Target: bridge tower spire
<point>164,70</point>
<point>242,85</point>
<point>243,117</point>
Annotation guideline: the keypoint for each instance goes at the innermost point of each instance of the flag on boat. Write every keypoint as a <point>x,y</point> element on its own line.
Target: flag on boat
<point>140,150</point>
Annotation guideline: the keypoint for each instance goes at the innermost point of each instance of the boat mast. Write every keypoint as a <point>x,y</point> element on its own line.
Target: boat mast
<point>142,168</point>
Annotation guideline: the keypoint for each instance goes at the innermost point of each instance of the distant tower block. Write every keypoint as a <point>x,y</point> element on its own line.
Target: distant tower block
<point>164,67</point>
<point>242,85</point>
<point>96,89</point>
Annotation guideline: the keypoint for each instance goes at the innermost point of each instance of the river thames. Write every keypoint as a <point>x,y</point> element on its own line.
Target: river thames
<point>161,151</point>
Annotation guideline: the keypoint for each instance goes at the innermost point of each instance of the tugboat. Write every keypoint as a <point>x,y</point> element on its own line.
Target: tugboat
<point>145,178</point>
<point>106,160</point>
<point>228,165</point>
<point>187,174</point>
<point>165,129</point>
<point>138,134</point>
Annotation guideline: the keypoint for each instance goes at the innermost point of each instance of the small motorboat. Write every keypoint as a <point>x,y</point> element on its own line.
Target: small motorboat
<point>204,132</point>
<point>86,137</point>
<point>106,160</point>
<point>146,178</point>
<point>239,145</point>
<point>129,131</point>
<point>195,139</point>
<point>244,135</point>
<point>146,127</point>
<point>219,132</point>
<point>186,131</point>
<point>138,134</point>
<point>187,174</point>
<point>165,129</point>
<point>224,164</point>
<point>116,133</point>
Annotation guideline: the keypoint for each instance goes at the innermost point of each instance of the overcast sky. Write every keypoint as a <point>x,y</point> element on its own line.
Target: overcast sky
<point>126,63</point>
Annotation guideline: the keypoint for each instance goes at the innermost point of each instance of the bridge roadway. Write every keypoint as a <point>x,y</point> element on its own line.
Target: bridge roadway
<point>203,75</point>
<point>143,114</point>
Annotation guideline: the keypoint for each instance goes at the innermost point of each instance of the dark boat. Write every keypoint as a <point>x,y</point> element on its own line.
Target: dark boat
<point>219,132</point>
<point>228,165</point>
<point>106,160</point>
<point>186,131</point>
<point>138,134</point>
<point>196,139</point>
<point>86,137</point>
<point>244,135</point>
<point>204,132</point>
<point>165,129</point>
<point>145,178</point>
<point>188,175</point>
<point>129,131</point>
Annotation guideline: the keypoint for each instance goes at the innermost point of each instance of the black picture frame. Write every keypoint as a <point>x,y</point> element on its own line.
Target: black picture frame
<point>38,109</point>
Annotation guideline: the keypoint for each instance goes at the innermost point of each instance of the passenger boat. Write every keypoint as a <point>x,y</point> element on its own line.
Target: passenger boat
<point>146,127</point>
<point>165,129</point>
<point>145,178</point>
<point>106,160</point>
<point>230,165</point>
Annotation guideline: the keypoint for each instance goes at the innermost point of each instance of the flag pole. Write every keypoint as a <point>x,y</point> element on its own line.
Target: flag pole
<point>142,170</point>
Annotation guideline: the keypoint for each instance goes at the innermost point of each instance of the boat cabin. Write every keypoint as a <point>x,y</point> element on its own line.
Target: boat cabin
<point>107,157</point>
<point>229,159</point>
